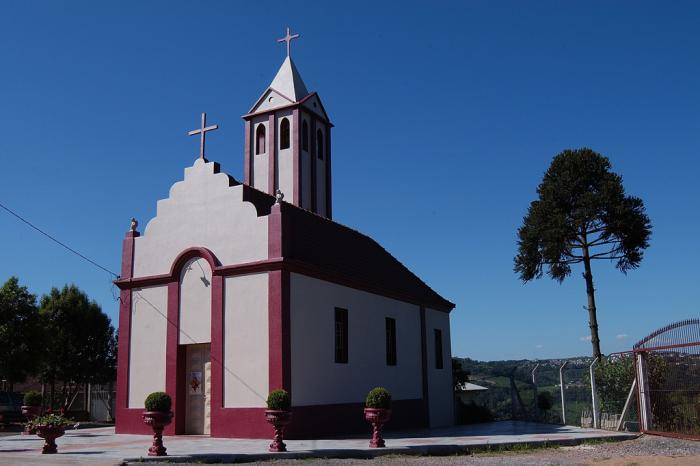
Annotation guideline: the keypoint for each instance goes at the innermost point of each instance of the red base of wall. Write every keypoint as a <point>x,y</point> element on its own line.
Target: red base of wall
<point>307,421</point>
<point>348,418</point>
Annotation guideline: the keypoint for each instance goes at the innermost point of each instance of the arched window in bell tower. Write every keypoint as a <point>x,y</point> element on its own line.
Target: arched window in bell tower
<point>284,133</point>
<point>319,144</point>
<point>305,136</point>
<point>260,139</point>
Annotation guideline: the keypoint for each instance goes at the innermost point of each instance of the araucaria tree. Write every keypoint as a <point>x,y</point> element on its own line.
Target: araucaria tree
<point>582,214</point>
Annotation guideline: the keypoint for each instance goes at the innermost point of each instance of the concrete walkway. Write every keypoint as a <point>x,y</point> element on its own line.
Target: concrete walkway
<point>102,447</point>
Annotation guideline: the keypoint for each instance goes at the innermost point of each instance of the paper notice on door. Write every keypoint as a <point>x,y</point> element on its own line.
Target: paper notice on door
<point>195,383</point>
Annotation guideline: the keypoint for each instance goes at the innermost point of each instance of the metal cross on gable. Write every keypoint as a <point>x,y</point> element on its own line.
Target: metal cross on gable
<point>202,133</point>
<point>288,39</point>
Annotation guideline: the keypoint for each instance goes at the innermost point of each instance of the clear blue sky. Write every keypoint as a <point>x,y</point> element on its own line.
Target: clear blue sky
<point>447,114</point>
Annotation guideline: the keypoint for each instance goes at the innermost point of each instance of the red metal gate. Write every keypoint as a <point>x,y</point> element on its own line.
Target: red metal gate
<point>668,375</point>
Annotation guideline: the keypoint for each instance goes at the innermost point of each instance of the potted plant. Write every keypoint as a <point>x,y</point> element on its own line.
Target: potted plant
<point>31,408</point>
<point>49,427</point>
<point>378,413</point>
<point>279,415</point>
<point>158,415</point>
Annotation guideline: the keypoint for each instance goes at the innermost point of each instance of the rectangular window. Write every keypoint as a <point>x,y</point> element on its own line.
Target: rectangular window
<point>438,349</point>
<point>390,341</point>
<point>341,335</point>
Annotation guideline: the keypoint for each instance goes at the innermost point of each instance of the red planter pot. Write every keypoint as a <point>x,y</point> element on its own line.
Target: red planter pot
<point>30,412</point>
<point>157,420</point>
<point>50,434</point>
<point>377,417</point>
<point>279,420</point>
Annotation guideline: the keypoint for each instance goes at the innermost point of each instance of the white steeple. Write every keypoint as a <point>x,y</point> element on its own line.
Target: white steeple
<point>288,81</point>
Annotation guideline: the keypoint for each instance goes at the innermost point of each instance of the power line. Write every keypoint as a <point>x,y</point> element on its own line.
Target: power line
<point>137,292</point>
<point>64,245</point>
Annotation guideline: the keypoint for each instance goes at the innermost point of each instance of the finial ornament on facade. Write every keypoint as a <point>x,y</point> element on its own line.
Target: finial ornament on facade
<point>134,224</point>
<point>279,196</point>
<point>288,39</point>
<point>202,133</point>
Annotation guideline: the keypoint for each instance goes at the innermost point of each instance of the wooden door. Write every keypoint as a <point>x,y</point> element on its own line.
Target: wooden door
<point>198,389</point>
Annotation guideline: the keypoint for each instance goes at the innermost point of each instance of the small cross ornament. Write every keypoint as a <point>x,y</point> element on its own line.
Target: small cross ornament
<point>288,39</point>
<point>202,133</point>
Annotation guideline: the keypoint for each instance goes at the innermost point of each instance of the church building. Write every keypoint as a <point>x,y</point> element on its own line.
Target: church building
<point>235,289</point>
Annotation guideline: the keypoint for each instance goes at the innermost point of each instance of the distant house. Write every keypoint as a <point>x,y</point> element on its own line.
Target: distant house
<point>466,391</point>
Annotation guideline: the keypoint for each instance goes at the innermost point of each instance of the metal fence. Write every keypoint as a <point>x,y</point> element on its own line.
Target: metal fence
<point>668,374</point>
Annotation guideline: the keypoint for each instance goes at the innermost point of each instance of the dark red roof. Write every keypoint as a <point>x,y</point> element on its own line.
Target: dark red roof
<point>341,252</point>
<point>335,248</point>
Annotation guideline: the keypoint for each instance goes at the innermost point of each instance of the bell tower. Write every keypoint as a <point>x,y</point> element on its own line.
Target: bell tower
<point>288,141</point>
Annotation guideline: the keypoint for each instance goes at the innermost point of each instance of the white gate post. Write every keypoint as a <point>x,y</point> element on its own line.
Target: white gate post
<point>561,389</point>
<point>594,397</point>
<point>643,384</point>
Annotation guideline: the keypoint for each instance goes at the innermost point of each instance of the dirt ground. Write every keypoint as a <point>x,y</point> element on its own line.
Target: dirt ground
<point>644,451</point>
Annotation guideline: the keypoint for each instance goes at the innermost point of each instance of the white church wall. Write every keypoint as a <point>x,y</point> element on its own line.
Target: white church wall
<point>321,175</point>
<point>147,346</point>
<point>305,175</point>
<point>272,99</point>
<point>304,181</point>
<point>201,211</point>
<point>316,378</point>
<point>285,157</point>
<point>195,302</point>
<point>246,341</point>
<point>440,390</point>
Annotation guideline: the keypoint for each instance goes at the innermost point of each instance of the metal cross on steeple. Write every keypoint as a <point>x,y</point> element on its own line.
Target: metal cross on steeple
<point>288,39</point>
<point>202,133</point>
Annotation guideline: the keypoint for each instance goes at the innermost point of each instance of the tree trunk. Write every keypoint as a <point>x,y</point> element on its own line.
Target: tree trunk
<point>590,291</point>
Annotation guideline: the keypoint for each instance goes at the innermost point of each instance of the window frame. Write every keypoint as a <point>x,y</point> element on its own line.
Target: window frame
<point>391,353</point>
<point>340,331</point>
<point>285,133</point>
<point>320,146</point>
<point>260,130</point>
<point>439,354</point>
<point>304,136</point>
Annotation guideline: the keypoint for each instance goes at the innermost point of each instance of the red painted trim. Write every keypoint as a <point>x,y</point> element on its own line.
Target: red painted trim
<point>249,116</point>
<point>665,347</point>
<point>672,435</point>
<point>329,186</point>
<point>247,165</point>
<point>340,279</point>
<point>217,349</point>
<point>274,233</point>
<point>278,263</point>
<point>279,369</point>
<point>124,343</point>
<point>171,359</point>
<point>122,396</point>
<point>296,160</point>
<point>240,423</point>
<point>272,154</point>
<point>348,418</point>
<point>314,160</point>
<point>424,365</point>
<point>128,254</point>
<point>174,274</point>
<point>191,253</point>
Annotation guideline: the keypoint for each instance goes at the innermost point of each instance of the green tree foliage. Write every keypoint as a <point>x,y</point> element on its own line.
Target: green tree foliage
<point>79,344</point>
<point>613,380</point>
<point>18,332</point>
<point>459,375</point>
<point>582,214</point>
<point>545,401</point>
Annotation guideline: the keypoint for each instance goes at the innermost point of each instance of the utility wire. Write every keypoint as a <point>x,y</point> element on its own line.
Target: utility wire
<point>22,219</point>
<point>138,292</point>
